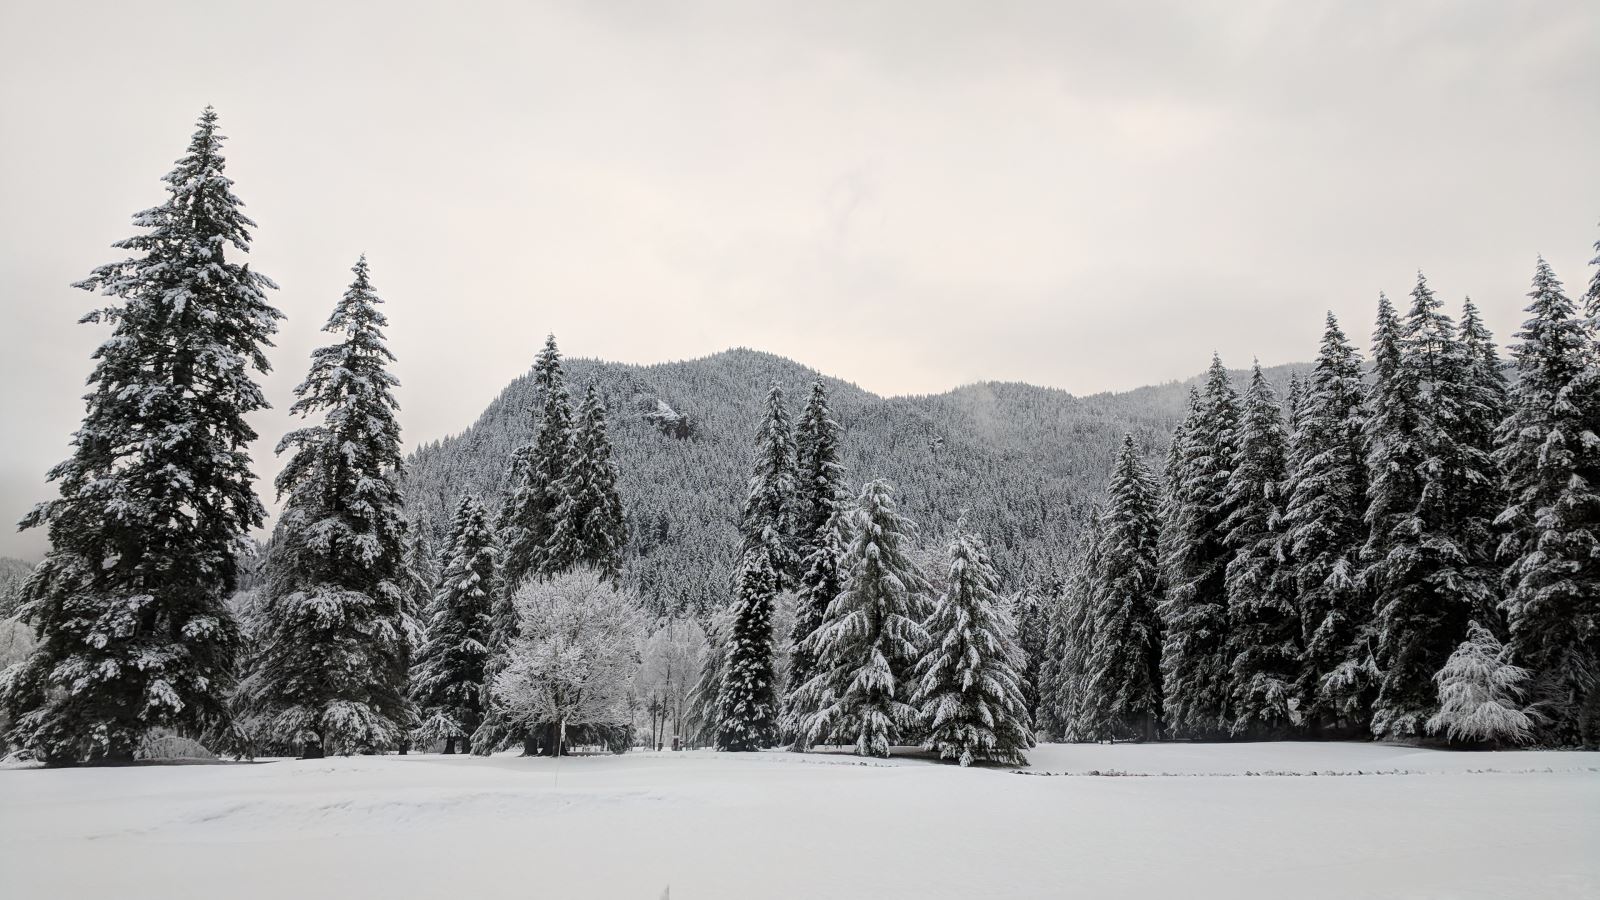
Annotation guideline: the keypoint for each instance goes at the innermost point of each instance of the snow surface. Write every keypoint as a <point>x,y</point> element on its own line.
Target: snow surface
<point>777,825</point>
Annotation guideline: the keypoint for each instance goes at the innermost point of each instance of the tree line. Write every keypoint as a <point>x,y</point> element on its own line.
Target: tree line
<point>1399,549</point>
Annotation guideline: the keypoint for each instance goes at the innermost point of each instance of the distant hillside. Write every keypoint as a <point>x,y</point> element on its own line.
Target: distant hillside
<point>1022,461</point>
<point>12,573</point>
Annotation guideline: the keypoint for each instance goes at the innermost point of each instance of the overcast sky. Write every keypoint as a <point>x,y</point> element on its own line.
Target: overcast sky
<point>907,195</point>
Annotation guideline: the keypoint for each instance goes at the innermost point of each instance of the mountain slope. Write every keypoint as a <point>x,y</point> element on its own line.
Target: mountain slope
<point>1023,462</point>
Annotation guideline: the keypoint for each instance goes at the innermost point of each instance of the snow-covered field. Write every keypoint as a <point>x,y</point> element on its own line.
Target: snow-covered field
<point>775,825</point>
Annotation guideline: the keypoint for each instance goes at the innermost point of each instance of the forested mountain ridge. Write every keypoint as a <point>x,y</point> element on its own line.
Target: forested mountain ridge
<point>1022,461</point>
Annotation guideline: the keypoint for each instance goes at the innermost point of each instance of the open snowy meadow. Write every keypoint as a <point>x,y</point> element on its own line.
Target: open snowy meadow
<point>1191,820</point>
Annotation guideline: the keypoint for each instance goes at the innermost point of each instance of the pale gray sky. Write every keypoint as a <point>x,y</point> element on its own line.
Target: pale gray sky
<point>908,195</point>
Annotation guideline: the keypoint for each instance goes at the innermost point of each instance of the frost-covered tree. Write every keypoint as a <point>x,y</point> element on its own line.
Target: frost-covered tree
<point>1550,454</point>
<point>1422,469</point>
<point>1123,666</point>
<point>1263,621</point>
<point>820,498</point>
<point>1323,536</point>
<point>575,655</point>
<point>529,516</point>
<point>705,698</point>
<point>589,528</point>
<point>1480,693</point>
<point>1196,667</point>
<point>330,675</point>
<point>158,495</point>
<point>821,580</point>
<point>1073,639</point>
<point>969,683</point>
<point>871,635</point>
<point>447,682</point>
<point>819,478</point>
<point>747,715</point>
<point>671,662</point>
<point>771,497</point>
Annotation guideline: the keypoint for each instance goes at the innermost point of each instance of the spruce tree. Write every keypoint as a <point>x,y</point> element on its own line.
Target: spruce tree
<point>747,705</point>
<point>530,515</point>
<point>820,501</point>
<point>1323,536</point>
<point>969,685</point>
<point>770,501</point>
<point>1481,693</point>
<point>821,580</point>
<point>1550,455</point>
<point>747,708</point>
<point>1124,657</point>
<point>1421,466</point>
<point>871,636</point>
<point>1196,668</point>
<point>448,680</point>
<point>590,529</point>
<point>1076,639</point>
<point>331,673</point>
<point>1263,621</point>
<point>157,497</point>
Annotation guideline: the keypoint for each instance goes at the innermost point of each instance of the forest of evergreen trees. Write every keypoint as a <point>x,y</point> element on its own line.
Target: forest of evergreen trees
<point>1401,548</point>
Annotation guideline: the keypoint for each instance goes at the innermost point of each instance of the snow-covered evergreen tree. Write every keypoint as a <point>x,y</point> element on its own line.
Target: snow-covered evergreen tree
<point>771,499</point>
<point>1263,620</point>
<point>157,497</point>
<point>331,673</point>
<point>747,704</point>
<point>1196,667</point>
<point>821,580</point>
<point>447,682</point>
<point>747,715</point>
<point>589,528</point>
<point>529,517</point>
<point>1421,468</point>
<point>969,685</point>
<point>1550,454</point>
<point>820,501</point>
<point>1323,536</point>
<point>1074,638</point>
<point>871,635</point>
<point>1480,693</point>
<point>1123,689</point>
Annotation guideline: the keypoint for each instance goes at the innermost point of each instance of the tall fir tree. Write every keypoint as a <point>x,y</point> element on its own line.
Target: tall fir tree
<point>590,528</point>
<point>1477,493</point>
<point>871,636</point>
<point>1124,656</point>
<point>331,674</point>
<point>530,515</point>
<point>447,683</point>
<point>969,683</point>
<point>1550,454</point>
<point>820,501</point>
<point>1419,466</point>
<point>747,708</point>
<point>1196,668</point>
<point>821,580</point>
<point>157,498</point>
<point>1263,620</point>
<point>747,713</point>
<point>1323,536</point>
<point>1064,702</point>
<point>771,498</point>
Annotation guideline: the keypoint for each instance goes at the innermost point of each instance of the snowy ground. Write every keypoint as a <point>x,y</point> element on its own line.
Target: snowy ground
<point>776,825</point>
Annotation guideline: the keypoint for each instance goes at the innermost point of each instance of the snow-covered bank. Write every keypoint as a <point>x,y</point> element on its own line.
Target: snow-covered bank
<point>779,825</point>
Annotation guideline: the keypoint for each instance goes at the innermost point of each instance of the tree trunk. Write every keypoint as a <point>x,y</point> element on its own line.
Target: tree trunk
<point>313,750</point>
<point>530,746</point>
<point>449,745</point>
